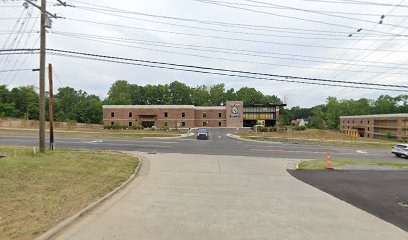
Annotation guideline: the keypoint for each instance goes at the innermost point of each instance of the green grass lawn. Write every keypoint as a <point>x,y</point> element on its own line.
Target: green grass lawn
<point>38,192</point>
<point>100,133</point>
<point>322,164</point>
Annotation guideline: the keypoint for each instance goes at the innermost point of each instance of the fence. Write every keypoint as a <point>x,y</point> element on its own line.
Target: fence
<point>19,123</point>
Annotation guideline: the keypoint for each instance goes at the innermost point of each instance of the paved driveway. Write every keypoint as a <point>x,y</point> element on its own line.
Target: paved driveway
<point>181,196</point>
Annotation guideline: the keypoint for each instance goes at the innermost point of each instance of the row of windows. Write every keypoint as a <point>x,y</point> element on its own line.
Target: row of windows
<point>353,122</point>
<point>257,116</point>
<point>166,114</point>
<point>259,109</point>
<point>348,127</point>
<point>386,123</point>
<point>183,124</point>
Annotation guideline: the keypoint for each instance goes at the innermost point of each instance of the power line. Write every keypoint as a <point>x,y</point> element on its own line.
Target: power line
<point>222,74</point>
<point>16,70</point>
<point>281,15</point>
<point>109,10</point>
<point>118,42</point>
<point>222,49</point>
<point>218,71</point>
<point>358,3</point>
<point>58,51</point>
<point>219,37</point>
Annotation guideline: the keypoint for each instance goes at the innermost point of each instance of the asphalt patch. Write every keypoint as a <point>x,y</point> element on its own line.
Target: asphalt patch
<point>381,193</point>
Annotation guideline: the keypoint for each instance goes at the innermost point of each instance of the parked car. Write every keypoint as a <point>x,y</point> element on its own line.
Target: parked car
<point>202,134</point>
<point>400,150</point>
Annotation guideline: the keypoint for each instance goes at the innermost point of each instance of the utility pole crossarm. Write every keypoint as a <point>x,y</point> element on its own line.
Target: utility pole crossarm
<point>39,7</point>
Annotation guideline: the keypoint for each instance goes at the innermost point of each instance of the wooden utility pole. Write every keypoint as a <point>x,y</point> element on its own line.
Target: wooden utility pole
<point>43,22</point>
<point>42,75</point>
<point>51,93</point>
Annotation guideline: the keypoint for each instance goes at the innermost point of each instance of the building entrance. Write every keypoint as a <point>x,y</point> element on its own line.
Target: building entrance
<point>148,124</point>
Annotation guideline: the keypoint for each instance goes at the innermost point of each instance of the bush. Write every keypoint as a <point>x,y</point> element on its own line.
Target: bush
<point>137,127</point>
<point>116,127</point>
<point>300,128</point>
<point>71,124</point>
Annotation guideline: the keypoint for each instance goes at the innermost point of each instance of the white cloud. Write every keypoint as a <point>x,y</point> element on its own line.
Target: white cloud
<point>96,77</point>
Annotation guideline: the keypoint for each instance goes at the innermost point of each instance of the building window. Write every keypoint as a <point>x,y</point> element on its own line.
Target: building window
<point>112,123</point>
<point>166,114</point>
<point>348,121</point>
<point>183,114</point>
<point>183,124</point>
<point>112,114</point>
<point>368,129</point>
<point>368,121</point>
<point>130,124</point>
<point>219,124</point>
<point>204,115</point>
<point>130,114</point>
<point>165,124</point>
<point>219,115</point>
<point>204,124</point>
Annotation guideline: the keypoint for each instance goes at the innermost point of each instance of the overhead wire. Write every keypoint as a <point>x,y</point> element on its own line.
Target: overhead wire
<point>120,41</point>
<point>286,77</point>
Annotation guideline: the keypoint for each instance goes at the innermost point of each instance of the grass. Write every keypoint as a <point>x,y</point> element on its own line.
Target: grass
<point>318,137</point>
<point>322,164</point>
<point>38,192</point>
<point>98,133</point>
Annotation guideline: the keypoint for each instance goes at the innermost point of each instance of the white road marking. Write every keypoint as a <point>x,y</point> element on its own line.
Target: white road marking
<point>362,152</point>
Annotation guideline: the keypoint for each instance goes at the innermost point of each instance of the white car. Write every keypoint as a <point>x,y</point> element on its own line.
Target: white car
<point>400,150</point>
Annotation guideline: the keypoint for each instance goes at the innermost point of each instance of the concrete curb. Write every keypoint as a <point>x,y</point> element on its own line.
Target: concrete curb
<point>250,140</point>
<point>50,234</point>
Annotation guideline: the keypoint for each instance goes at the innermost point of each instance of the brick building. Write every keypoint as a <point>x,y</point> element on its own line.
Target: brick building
<point>383,126</point>
<point>233,114</point>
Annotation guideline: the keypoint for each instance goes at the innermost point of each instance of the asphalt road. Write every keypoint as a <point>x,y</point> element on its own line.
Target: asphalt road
<point>218,144</point>
<point>381,193</point>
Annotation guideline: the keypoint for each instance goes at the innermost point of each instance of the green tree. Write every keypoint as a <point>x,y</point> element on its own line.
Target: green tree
<point>180,93</point>
<point>230,95</point>
<point>217,94</point>
<point>249,96</point>
<point>201,95</point>
<point>120,93</point>
<point>318,118</point>
<point>26,100</point>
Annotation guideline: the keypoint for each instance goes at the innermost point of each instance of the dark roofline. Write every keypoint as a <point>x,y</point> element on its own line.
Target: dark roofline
<point>265,105</point>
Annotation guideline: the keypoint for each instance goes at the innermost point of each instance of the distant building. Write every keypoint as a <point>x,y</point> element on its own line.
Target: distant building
<point>233,114</point>
<point>299,123</point>
<point>383,126</point>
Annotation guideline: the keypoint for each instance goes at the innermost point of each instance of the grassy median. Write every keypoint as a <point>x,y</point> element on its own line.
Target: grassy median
<point>318,137</point>
<point>39,191</point>
<point>92,133</point>
<point>322,164</point>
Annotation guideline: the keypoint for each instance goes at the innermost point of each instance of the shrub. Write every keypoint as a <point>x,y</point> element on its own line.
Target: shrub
<point>136,127</point>
<point>115,127</point>
<point>300,128</point>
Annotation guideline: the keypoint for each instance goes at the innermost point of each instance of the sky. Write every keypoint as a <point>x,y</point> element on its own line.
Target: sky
<point>305,38</point>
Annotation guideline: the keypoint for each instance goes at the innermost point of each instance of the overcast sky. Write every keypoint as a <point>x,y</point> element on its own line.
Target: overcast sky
<point>289,46</point>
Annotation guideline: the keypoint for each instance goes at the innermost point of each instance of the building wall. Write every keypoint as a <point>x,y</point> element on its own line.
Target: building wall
<point>378,126</point>
<point>232,115</point>
<point>174,117</point>
<point>235,120</point>
<point>210,117</point>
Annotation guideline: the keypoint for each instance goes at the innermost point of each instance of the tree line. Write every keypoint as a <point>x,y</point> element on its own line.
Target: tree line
<point>79,106</point>
<point>327,116</point>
